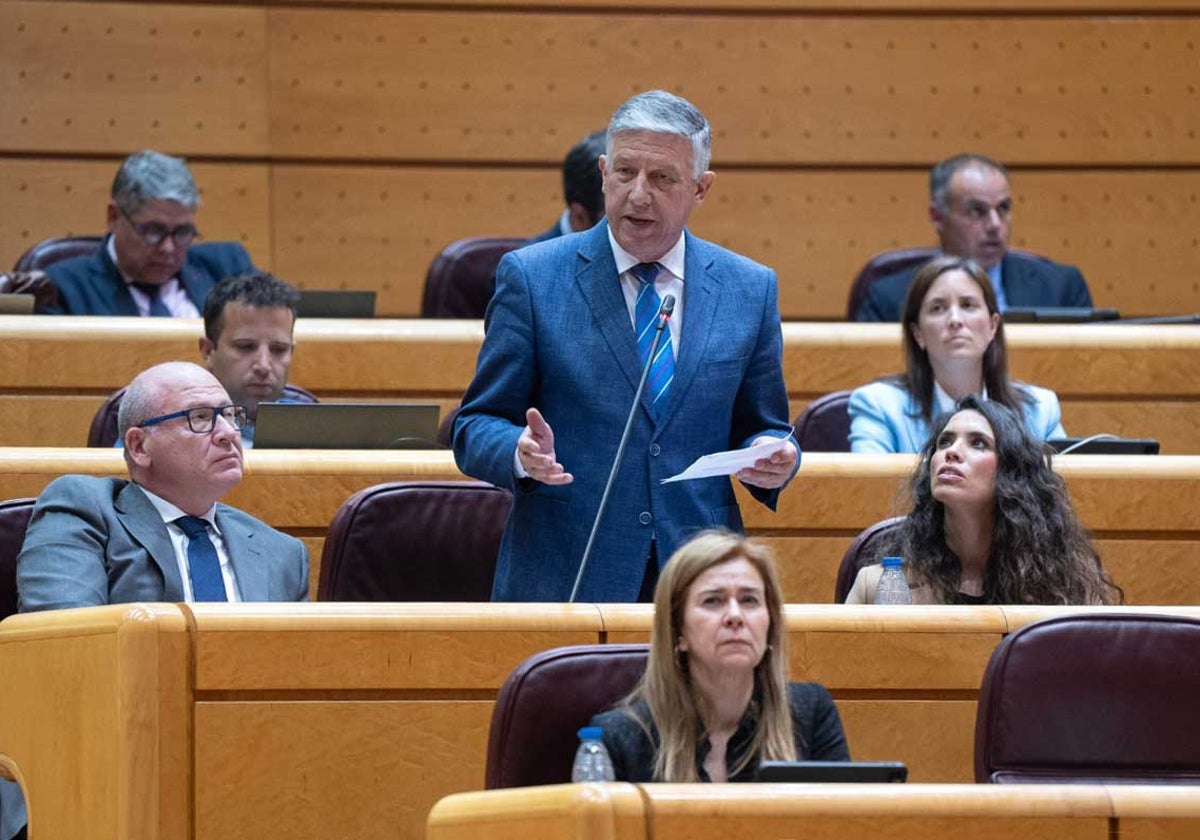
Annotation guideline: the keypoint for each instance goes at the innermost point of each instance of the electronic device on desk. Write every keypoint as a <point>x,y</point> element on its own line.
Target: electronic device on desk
<point>1104,445</point>
<point>1058,314</point>
<point>346,426</point>
<point>832,771</point>
<point>319,303</point>
<point>16,304</point>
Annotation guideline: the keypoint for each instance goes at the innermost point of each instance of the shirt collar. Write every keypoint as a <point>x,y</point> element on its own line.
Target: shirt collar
<point>673,261</point>
<point>943,403</point>
<point>170,512</point>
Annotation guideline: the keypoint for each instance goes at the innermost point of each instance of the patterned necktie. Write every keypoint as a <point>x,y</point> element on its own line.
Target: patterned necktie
<point>203,565</point>
<point>158,309</point>
<point>662,371</point>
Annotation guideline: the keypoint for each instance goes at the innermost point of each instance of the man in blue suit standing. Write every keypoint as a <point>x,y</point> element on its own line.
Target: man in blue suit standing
<point>147,265</point>
<point>561,361</point>
<point>970,206</point>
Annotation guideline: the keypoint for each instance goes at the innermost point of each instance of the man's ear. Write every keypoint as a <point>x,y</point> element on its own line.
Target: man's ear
<point>703,185</point>
<point>135,447</point>
<point>110,215</point>
<point>206,348</point>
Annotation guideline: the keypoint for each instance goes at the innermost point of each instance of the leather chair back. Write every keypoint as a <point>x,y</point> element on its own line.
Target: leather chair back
<point>50,251</point>
<point>825,425</point>
<point>1092,698</point>
<point>545,701</point>
<point>14,519</point>
<point>881,265</point>
<point>864,551</point>
<point>103,431</point>
<point>415,541</point>
<point>461,279</point>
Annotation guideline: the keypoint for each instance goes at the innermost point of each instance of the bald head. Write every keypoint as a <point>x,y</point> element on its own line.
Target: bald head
<point>144,396</point>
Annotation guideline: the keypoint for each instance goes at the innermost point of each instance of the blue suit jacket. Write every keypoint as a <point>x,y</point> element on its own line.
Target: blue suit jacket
<point>92,285</point>
<point>94,541</point>
<point>885,418</point>
<point>559,339</point>
<point>1028,281</point>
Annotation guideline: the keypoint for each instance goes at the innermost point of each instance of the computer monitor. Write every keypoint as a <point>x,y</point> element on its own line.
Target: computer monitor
<point>1104,445</point>
<point>1058,314</point>
<point>346,426</point>
<point>831,771</point>
<point>319,303</point>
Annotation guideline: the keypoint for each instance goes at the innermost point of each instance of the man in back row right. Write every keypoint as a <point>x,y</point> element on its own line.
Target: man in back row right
<point>970,205</point>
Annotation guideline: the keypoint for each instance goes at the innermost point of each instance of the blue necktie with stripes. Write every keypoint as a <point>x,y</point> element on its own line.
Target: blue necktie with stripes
<point>203,564</point>
<point>662,371</point>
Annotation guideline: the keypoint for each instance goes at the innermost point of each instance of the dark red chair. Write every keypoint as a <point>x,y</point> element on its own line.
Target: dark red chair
<point>14,519</point>
<point>1092,698</point>
<point>461,279</point>
<point>825,425</point>
<point>545,701</point>
<point>881,265</point>
<point>415,541</point>
<point>50,251</point>
<point>103,431</point>
<point>864,551</point>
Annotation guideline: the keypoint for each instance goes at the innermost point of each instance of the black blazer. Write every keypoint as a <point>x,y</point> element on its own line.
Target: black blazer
<point>92,285</point>
<point>1028,281</point>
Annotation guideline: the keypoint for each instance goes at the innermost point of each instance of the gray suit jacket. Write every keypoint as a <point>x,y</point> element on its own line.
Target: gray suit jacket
<point>95,541</point>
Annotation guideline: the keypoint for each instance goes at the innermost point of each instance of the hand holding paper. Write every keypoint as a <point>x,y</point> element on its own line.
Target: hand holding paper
<point>766,463</point>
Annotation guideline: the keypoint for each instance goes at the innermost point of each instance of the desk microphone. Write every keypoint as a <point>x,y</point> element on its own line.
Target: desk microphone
<point>664,315</point>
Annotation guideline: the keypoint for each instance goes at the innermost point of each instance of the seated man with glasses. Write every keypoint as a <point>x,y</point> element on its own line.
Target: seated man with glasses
<point>161,535</point>
<point>148,264</point>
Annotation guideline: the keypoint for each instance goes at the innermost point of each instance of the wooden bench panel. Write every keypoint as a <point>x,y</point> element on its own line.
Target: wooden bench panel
<point>108,78</point>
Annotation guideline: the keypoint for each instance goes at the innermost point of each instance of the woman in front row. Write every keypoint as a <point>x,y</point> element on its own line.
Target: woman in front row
<point>991,522</point>
<point>954,346</point>
<point>715,699</point>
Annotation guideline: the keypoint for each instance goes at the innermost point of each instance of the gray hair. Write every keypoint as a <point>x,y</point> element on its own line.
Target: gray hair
<point>942,173</point>
<point>664,113</point>
<point>148,176</point>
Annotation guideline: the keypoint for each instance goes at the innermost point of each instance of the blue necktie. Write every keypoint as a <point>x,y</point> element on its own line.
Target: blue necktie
<point>158,309</point>
<point>645,312</point>
<point>203,565</point>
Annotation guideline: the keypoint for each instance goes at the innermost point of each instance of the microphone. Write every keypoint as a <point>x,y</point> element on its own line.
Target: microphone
<point>664,315</point>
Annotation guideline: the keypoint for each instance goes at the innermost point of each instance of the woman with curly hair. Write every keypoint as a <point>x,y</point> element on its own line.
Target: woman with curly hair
<point>715,699</point>
<point>991,522</point>
<point>954,345</point>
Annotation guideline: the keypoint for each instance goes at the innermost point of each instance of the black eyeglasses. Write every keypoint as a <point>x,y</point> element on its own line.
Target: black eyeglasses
<point>153,234</point>
<point>203,419</point>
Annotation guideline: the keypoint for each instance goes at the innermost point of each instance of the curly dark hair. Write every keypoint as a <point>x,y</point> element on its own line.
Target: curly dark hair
<point>1039,553</point>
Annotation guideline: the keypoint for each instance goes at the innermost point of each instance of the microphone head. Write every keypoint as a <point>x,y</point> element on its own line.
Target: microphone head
<point>668,306</point>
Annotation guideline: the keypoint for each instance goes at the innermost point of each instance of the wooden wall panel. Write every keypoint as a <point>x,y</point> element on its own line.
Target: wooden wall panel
<point>48,197</point>
<point>787,89</point>
<point>379,228</point>
<point>115,77</point>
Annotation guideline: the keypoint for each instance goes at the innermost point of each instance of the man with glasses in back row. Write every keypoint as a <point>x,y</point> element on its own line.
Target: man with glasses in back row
<point>147,264</point>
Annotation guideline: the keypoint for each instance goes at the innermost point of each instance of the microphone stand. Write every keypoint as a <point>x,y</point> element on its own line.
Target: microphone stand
<point>664,315</point>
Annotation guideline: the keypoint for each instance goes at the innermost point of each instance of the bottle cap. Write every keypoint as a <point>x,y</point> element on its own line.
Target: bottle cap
<point>893,562</point>
<point>590,733</point>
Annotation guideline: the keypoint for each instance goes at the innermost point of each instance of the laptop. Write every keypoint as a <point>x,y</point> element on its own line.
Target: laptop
<point>831,771</point>
<point>16,304</point>
<point>346,426</point>
<point>1058,314</point>
<point>355,303</point>
<point>1104,445</point>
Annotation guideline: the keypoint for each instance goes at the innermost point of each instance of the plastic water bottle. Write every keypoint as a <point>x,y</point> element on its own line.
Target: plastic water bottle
<point>893,587</point>
<point>592,763</point>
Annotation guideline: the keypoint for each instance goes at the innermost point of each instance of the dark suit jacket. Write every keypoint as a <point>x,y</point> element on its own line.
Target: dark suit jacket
<point>92,285</point>
<point>559,338</point>
<point>94,541</point>
<point>1028,281</point>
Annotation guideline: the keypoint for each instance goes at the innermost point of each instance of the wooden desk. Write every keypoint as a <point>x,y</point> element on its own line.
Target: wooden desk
<point>55,371</point>
<point>819,812</point>
<point>1140,508</point>
<point>352,720</point>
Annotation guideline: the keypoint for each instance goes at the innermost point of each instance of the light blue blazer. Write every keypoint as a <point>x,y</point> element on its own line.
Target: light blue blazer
<point>885,418</point>
<point>559,338</point>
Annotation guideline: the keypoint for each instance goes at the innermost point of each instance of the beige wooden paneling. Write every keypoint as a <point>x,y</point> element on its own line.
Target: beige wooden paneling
<point>797,89</point>
<point>112,78</point>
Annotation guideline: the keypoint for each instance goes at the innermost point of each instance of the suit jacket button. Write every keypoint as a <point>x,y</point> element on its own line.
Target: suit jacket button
<point>645,518</point>
<point>655,449</point>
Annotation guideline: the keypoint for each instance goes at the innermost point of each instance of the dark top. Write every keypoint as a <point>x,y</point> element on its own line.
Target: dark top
<point>818,730</point>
